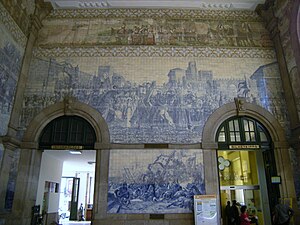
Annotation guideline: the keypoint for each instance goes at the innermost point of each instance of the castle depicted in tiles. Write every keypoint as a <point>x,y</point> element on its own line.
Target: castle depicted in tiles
<point>174,111</point>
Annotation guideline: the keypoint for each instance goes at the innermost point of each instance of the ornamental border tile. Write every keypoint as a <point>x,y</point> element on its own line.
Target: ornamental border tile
<point>156,13</point>
<point>11,25</point>
<point>153,51</point>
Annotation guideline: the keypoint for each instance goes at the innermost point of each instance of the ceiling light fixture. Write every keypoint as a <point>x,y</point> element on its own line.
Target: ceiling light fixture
<point>75,152</point>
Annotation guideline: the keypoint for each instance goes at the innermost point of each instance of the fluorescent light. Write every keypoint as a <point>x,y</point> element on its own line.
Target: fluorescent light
<point>75,152</point>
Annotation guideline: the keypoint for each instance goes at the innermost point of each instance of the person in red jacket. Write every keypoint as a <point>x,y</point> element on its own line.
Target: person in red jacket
<point>244,218</point>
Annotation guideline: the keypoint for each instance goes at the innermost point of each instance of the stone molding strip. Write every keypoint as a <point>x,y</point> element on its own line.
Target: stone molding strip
<point>12,27</point>
<point>240,15</point>
<point>154,51</point>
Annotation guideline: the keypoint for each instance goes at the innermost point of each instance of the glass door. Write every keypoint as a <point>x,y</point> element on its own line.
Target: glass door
<point>239,181</point>
<point>243,195</point>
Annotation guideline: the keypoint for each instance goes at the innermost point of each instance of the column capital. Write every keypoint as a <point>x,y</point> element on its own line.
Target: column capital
<point>209,145</point>
<point>281,145</point>
<point>29,145</point>
<point>101,146</point>
<point>10,142</point>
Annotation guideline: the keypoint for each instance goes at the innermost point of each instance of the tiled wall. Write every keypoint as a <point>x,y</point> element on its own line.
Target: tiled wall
<point>155,76</point>
<point>11,52</point>
<point>154,99</point>
<point>154,181</point>
<point>154,91</point>
<point>12,44</point>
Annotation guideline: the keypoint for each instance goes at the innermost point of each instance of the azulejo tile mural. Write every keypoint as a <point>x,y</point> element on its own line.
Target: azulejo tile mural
<point>154,99</point>
<point>142,27</point>
<point>10,65</point>
<point>153,51</point>
<point>11,28</point>
<point>12,162</point>
<point>154,181</point>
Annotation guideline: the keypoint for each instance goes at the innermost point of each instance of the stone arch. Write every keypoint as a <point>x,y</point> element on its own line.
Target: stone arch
<point>242,108</point>
<point>276,131</point>
<point>30,159</point>
<point>69,106</point>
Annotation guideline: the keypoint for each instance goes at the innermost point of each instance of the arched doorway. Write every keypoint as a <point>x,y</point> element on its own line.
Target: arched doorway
<point>28,178</point>
<point>280,147</point>
<point>246,167</point>
<point>67,142</point>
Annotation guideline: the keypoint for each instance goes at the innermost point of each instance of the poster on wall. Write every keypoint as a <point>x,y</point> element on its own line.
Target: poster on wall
<point>205,209</point>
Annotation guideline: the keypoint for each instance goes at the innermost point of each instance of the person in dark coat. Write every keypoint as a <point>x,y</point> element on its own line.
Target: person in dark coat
<point>282,214</point>
<point>235,213</point>
<point>228,213</point>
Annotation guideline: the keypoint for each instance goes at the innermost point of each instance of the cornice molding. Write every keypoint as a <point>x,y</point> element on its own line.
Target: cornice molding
<point>202,4</point>
<point>156,13</point>
<point>12,27</point>
<point>153,51</point>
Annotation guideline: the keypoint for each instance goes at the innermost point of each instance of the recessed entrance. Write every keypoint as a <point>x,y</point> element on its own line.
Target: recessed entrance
<point>246,165</point>
<point>69,162</point>
<point>239,181</point>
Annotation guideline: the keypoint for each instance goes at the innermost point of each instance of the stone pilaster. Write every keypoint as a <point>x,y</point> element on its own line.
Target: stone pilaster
<point>101,184</point>
<point>267,13</point>
<point>26,187</point>
<point>29,162</point>
<point>41,11</point>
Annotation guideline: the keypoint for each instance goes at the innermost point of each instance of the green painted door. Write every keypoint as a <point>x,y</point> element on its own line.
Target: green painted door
<point>74,199</point>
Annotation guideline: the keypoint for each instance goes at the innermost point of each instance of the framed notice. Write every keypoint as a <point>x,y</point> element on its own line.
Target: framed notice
<point>205,209</point>
<point>276,180</point>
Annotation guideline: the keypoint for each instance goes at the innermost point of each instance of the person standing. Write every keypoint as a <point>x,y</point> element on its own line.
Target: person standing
<point>227,213</point>
<point>235,213</point>
<point>244,218</point>
<point>252,211</point>
<point>81,213</point>
<point>282,214</point>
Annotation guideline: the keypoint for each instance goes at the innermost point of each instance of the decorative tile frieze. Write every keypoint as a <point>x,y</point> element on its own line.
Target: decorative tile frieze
<point>150,30</point>
<point>153,51</point>
<point>12,27</point>
<point>19,13</point>
<point>157,13</point>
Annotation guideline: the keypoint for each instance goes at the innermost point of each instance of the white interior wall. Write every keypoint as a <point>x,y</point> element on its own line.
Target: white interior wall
<point>51,170</point>
<point>54,166</point>
<point>82,171</point>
